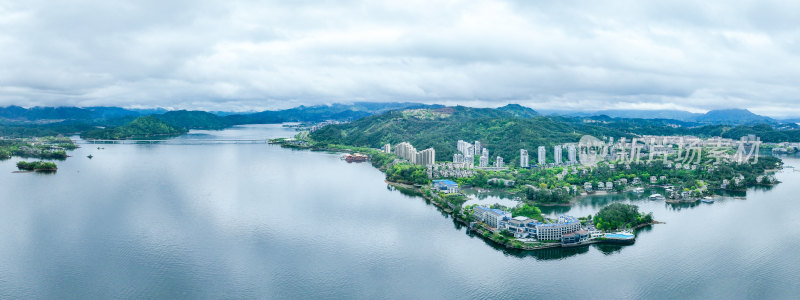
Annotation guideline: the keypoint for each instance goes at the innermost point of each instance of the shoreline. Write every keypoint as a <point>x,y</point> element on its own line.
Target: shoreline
<point>460,219</point>
<point>488,235</point>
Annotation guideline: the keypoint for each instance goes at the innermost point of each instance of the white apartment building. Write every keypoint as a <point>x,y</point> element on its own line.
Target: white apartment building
<point>483,161</point>
<point>557,154</point>
<point>523,158</point>
<point>464,147</point>
<point>406,151</point>
<point>542,155</point>
<point>572,154</point>
<point>426,157</point>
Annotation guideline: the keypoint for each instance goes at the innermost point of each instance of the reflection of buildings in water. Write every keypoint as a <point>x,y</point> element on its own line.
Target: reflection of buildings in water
<point>680,206</point>
<point>609,249</point>
<point>553,253</point>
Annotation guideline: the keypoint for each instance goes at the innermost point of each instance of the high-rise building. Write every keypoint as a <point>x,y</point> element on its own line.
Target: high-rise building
<point>463,147</point>
<point>572,154</point>
<point>426,157</point>
<point>523,158</point>
<point>469,161</point>
<point>458,158</point>
<point>542,155</point>
<point>483,161</point>
<point>387,148</point>
<point>477,148</point>
<point>557,154</point>
<point>406,151</point>
<point>499,163</point>
<point>485,152</point>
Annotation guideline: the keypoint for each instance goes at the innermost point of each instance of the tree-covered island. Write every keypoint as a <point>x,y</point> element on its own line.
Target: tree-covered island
<point>36,166</point>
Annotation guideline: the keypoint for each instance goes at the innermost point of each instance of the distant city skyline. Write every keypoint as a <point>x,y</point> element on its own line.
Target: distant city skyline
<point>253,56</point>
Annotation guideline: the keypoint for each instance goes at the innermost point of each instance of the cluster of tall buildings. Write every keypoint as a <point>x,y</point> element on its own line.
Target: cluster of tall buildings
<point>468,152</point>
<point>541,159</point>
<point>465,157</point>
<point>406,151</point>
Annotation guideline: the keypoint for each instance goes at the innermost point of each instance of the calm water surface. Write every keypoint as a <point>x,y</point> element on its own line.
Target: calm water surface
<point>258,221</point>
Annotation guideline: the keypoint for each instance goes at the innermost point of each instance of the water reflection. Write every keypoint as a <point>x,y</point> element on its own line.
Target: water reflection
<point>553,253</point>
<point>258,221</point>
<point>489,197</point>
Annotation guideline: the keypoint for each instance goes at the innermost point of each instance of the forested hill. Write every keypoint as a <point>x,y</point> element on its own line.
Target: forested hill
<point>503,130</point>
<point>141,127</point>
<point>169,123</point>
<point>194,120</point>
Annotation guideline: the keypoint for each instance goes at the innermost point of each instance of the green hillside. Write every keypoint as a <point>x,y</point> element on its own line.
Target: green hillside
<point>193,120</point>
<point>141,127</point>
<point>503,130</point>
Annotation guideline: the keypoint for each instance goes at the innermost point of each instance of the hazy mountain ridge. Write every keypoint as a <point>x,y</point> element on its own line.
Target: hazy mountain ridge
<point>733,116</point>
<point>340,112</point>
<point>18,114</point>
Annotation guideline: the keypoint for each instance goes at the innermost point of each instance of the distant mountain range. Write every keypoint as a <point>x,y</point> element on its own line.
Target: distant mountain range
<point>318,113</point>
<point>17,114</point>
<point>19,121</point>
<point>486,123</point>
<point>717,117</point>
<point>20,115</point>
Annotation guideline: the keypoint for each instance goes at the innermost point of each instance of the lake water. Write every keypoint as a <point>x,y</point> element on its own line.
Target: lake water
<point>258,221</point>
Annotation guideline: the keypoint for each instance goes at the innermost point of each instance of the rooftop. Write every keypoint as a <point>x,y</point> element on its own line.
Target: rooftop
<point>499,212</point>
<point>445,182</point>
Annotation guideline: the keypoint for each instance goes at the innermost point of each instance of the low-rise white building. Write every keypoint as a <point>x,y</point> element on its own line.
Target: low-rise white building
<point>493,218</point>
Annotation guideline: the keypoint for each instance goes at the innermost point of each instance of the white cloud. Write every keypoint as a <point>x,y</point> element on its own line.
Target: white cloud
<point>256,55</point>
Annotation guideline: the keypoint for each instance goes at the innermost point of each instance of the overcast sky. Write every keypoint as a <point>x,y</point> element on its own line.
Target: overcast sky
<point>243,55</point>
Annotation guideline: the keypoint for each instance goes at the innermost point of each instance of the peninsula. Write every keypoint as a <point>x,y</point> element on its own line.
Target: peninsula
<point>572,160</point>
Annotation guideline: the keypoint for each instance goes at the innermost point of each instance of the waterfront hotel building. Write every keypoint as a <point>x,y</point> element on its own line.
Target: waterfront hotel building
<point>554,231</point>
<point>523,227</point>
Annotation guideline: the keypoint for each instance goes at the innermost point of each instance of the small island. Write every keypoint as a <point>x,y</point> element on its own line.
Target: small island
<point>39,166</point>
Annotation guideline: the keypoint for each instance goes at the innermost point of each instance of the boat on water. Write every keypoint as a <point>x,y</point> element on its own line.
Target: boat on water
<point>707,199</point>
<point>90,156</point>
<point>656,197</point>
<point>638,190</point>
<point>621,237</point>
<point>355,157</point>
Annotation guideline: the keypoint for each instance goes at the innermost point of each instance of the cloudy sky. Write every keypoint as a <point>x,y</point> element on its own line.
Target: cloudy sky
<point>253,55</point>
